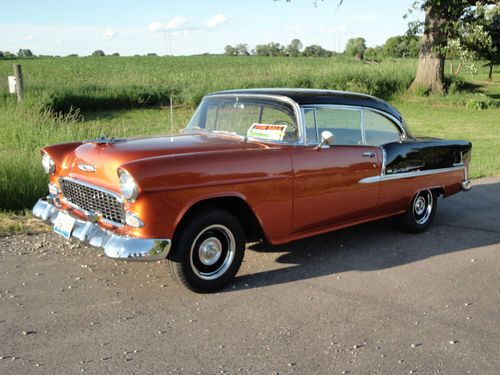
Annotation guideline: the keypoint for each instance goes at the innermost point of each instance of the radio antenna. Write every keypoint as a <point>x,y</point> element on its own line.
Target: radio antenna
<point>171,120</point>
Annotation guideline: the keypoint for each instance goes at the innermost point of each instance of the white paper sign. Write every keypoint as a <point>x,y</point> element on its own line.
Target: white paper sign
<point>12,84</point>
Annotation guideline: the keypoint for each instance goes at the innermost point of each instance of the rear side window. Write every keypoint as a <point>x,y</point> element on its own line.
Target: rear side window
<point>379,129</point>
<point>343,123</point>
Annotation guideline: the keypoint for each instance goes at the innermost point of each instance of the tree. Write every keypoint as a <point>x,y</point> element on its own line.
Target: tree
<point>115,54</point>
<point>293,49</point>
<point>237,50</point>
<point>401,46</point>
<point>1,54</point>
<point>230,50</point>
<point>491,26</point>
<point>98,53</point>
<point>242,49</point>
<point>270,49</point>
<point>374,53</point>
<point>441,24</point>
<point>315,50</point>
<point>356,47</point>
<point>24,53</point>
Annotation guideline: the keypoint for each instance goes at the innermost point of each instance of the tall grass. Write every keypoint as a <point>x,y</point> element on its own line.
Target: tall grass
<point>97,83</point>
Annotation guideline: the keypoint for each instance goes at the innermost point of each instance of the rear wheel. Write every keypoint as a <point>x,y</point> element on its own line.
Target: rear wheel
<point>420,214</point>
<point>209,251</point>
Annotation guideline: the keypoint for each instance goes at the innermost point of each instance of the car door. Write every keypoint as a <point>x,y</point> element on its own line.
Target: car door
<point>326,180</point>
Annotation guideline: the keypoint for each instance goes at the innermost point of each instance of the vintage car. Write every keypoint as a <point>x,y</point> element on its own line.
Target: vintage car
<point>270,164</point>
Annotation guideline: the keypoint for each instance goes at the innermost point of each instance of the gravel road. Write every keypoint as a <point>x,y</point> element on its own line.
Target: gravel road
<point>363,300</point>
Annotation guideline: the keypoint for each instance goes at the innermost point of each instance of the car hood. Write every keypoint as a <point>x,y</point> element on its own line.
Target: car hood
<point>97,162</point>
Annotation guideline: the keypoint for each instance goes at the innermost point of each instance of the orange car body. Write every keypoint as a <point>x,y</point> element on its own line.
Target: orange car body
<point>294,191</point>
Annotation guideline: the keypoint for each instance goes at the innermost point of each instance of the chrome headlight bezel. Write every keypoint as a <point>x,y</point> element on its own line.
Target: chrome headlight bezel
<point>128,186</point>
<point>48,164</point>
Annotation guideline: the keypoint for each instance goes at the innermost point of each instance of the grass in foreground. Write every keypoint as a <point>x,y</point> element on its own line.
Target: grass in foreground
<point>20,223</point>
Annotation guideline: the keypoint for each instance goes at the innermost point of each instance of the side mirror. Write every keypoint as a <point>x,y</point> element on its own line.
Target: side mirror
<point>326,139</point>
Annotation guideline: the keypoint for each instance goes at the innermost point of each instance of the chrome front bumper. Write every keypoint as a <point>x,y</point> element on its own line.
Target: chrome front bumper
<point>115,246</point>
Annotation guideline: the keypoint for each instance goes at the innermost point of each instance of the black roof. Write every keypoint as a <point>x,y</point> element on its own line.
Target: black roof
<point>314,96</point>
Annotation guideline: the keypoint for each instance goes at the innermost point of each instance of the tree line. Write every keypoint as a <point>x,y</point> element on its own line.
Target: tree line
<point>397,46</point>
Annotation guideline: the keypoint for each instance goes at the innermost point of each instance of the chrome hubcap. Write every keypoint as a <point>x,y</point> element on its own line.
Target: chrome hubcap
<point>422,207</point>
<point>210,251</point>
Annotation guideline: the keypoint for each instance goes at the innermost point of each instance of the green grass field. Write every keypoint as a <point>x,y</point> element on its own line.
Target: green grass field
<point>82,98</point>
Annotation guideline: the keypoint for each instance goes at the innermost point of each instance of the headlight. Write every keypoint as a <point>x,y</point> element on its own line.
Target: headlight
<point>128,186</point>
<point>48,164</point>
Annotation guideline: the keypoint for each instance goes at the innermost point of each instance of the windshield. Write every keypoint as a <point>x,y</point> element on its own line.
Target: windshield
<point>253,117</point>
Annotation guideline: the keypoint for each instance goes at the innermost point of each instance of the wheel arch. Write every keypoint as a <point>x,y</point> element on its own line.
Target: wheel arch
<point>234,203</point>
<point>437,189</point>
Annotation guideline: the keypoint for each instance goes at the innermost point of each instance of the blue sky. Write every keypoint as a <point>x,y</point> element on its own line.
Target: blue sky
<point>192,26</point>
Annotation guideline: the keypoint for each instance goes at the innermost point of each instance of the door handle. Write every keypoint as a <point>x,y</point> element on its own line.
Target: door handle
<point>368,154</point>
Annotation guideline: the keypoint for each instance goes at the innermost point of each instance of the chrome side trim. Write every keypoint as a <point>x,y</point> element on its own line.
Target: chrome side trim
<point>114,246</point>
<point>397,176</point>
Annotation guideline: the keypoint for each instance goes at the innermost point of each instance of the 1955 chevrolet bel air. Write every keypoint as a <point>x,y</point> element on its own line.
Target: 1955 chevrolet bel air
<point>271,164</point>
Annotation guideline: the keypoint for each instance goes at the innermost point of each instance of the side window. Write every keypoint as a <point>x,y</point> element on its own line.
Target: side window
<point>379,129</point>
<point>345,124</point>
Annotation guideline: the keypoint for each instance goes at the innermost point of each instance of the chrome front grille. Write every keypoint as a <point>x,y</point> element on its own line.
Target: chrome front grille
<point>93,199</point>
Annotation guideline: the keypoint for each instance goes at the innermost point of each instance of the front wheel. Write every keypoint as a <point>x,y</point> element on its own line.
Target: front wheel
<point>418,217</point>
<point>209,251</point>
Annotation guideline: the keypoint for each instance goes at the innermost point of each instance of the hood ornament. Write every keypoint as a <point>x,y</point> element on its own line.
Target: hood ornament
<point>86,167</point>
<point>103,140</point>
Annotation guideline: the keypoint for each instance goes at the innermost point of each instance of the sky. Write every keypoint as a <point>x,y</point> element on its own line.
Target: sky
<point>187,27</point>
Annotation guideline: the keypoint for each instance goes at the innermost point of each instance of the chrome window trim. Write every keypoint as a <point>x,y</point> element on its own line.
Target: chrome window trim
<point>363,131</point>
<point>394,120</point>
<point>284,99</point>
<point>303,115</point>
<point>397,176</point>
<point>391,118</point>
<point>384,161</point>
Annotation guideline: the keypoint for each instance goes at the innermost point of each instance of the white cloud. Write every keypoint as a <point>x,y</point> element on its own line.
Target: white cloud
<point>175,24</point>
<point>216,21</point>
<point>109,34</point>
<point>155,26</point>
<point>28,37</point>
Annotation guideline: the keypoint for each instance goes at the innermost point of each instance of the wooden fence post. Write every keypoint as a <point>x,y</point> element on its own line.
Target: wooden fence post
<point>19,82</point>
